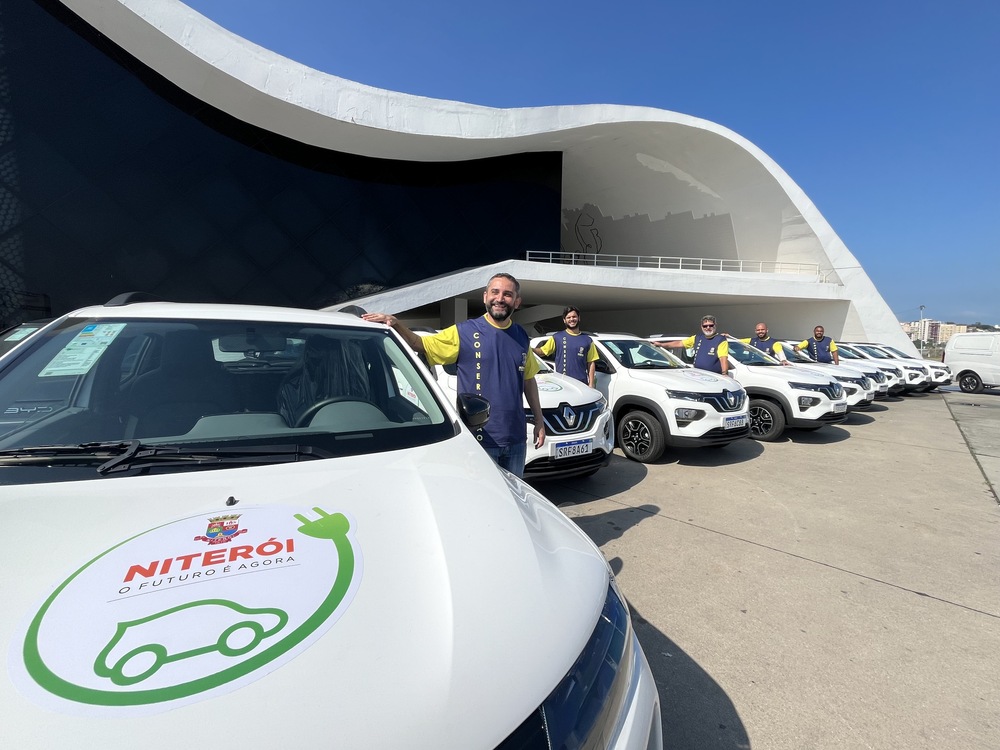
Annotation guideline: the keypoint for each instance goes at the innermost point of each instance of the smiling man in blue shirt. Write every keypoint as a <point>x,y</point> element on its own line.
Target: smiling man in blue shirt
<point>493,358</point>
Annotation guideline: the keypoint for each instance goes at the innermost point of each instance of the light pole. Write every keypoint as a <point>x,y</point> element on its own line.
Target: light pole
<point>921,331</point>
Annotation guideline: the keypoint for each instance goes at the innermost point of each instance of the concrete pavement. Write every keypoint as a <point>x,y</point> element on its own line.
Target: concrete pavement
<point>837,589</point>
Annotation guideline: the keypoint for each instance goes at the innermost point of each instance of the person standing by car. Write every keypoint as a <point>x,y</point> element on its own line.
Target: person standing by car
<point>711,349</point>
<point>821,348</point>
<point>766,343</point>
<point>575,353</point>
<point>491,353</point>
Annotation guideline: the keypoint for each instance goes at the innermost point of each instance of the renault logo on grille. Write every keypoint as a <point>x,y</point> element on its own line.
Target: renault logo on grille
<point>569,416</point>
<point>730,397</point>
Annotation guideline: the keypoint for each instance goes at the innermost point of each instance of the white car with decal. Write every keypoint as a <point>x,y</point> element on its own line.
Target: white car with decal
<point>579,429</point>
<point>916,373</point>
<point>861,387</point>
<point>658,401</point>
<point>783,395</point>
<point>271,526</point>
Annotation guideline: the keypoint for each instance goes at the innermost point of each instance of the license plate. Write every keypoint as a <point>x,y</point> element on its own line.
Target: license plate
<point>870,396</point>
<point>573,448</point>
<point>883,388</point>
<point>839,407</point>
<point>740,420</point>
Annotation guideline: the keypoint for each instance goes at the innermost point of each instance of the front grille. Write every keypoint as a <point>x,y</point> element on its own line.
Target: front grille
<point>878,376</point>
<point>832,391</point>
<point>720,401</point>
<point>567,420</point>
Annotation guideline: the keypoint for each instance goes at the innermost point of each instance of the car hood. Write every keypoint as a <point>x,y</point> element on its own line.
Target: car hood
<point>555,389</point>
<point>789,373</point>
<point>828,368</point>
<point>428,600</point>
<point>687,379</point>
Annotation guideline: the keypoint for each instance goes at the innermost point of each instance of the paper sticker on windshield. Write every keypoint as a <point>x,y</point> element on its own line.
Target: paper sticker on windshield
<point>20,333</point>
<point>187,611</point>
<point>80,354</point>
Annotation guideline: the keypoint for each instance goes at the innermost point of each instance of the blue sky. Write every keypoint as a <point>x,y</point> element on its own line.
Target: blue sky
<point>887,113</point>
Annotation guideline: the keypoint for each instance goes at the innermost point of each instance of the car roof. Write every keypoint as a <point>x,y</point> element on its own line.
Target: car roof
<point>212,311</point>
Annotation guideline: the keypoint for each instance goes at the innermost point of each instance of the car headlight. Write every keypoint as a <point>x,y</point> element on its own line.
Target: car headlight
<point>808,386</point>
<point>685,395</point>
<point>585,708</point>
<point>586,704</point>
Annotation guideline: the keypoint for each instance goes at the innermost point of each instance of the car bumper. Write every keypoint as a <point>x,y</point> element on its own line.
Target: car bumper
<point>560,468</point>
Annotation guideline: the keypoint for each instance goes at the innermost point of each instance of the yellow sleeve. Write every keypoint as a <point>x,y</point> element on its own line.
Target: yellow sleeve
<point>802,344</point>
<point>530,366</point>
<point>833,345</point>
<point>746,340</point>
<point>442,348</point>
<point>688,342</point>
<point>723,350</point>
<point>549,347</point>
<point>592,355</point>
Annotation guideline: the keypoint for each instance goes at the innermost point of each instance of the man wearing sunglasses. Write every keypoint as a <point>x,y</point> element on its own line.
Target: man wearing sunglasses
<point>711,349</point>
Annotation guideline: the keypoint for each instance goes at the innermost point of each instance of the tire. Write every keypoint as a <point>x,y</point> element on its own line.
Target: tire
<point>640,437</point>
<point>969,382</point>
<point>767,420</point>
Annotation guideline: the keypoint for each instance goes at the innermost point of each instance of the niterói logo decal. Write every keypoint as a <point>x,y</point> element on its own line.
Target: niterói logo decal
<point>188,610</point>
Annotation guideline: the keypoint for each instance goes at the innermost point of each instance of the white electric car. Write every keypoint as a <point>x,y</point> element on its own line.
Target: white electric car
<point>659,401</point>
<point>270,527</point>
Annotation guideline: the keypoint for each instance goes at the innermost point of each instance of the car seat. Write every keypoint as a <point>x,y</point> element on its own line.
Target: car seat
<point>329,368</point>
<point>188,385</point>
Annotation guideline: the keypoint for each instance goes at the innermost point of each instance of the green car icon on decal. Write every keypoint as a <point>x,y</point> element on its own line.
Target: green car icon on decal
<point>130,657</point>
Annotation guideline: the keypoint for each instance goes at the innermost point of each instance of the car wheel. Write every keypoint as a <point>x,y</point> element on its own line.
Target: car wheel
<point>767,421</point>
<point>640,437</point>
<point>969,382</point>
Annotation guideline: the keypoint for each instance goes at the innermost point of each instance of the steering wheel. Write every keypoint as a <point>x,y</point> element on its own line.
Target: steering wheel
<point>307,416</point>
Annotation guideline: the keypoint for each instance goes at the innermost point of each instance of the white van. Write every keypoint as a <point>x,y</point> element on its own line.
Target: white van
<point>974,359</point>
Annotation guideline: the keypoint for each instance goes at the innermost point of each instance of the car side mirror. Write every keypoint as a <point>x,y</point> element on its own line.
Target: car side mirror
<point>602,366</point>
<point>474,410</point>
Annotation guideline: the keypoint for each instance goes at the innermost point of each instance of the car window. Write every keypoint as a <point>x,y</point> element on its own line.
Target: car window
<point>873,352</point>
<point>216,383</point>
<point>639,354</point>
<point>749,355</point>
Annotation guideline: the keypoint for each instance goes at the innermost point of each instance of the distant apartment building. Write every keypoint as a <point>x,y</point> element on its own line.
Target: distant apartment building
<point>932,331</point>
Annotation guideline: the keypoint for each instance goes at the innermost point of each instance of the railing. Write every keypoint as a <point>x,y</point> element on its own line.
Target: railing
<point>660,263</point>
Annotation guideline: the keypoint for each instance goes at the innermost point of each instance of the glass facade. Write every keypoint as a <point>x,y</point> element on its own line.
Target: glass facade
<point>112,180</point>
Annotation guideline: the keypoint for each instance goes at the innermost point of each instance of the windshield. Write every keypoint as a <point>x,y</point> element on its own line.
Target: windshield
<point>209,386</point>
<point>639,354</point>
<point>894,351</point>
<point>873,351</point>
<point>795,355</point>
<point>846,352</point>
<point>750,355</point>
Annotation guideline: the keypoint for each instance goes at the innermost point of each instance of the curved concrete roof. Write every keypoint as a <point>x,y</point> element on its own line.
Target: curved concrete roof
<point>637,181</point>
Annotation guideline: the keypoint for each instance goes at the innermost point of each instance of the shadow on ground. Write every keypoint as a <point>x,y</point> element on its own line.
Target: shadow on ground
<point>697,713</point>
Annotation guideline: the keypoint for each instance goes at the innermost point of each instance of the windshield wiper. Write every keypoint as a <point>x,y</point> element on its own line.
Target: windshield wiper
<point>650,364</point>
<point>116,457</point>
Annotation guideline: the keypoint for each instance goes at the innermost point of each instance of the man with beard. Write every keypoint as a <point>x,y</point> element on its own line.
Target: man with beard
<point>711,348</point>
<point>575,353</point>
<point>821,348</point>
<point>766,343</point>
<point>492,356</point>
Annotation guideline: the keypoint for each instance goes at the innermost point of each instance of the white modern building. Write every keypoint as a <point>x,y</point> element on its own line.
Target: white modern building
<point>215,169</point>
